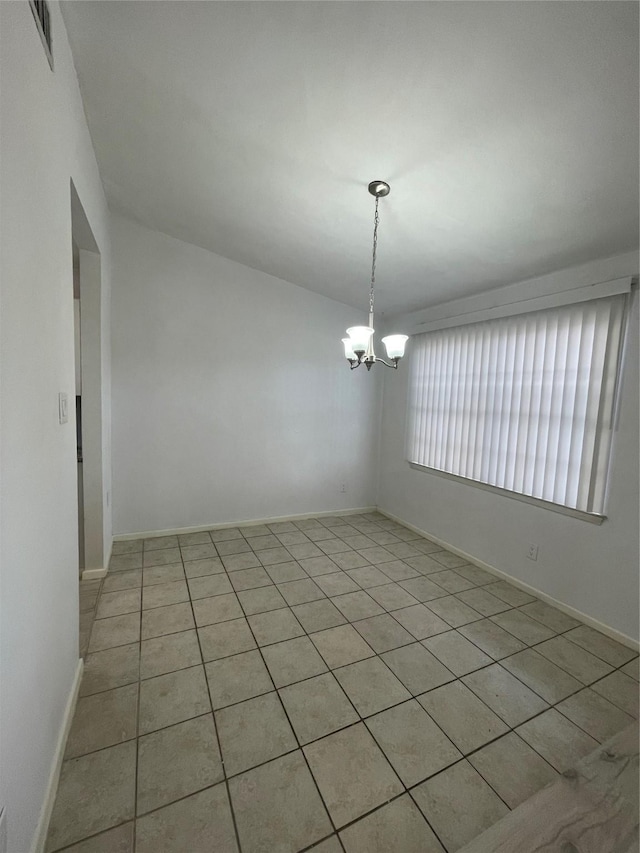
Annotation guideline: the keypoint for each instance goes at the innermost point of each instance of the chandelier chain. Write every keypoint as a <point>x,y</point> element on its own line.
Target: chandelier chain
<point>376,221</point>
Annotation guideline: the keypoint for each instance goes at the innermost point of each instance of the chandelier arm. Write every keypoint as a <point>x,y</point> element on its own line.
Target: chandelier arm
<point>355,364</point>
<point>393,366</point>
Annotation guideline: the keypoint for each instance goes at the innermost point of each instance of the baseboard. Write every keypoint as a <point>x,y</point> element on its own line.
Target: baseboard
<point>149,534</point>
<point>93,574</point>
<point>543,596</point>
<point>54,775</point>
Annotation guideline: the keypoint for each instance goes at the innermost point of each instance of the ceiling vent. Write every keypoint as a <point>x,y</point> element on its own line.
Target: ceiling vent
<point>41,13</point>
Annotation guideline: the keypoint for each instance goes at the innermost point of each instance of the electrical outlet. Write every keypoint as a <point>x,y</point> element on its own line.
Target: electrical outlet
<point>343,488</point>
<point>532,552</point>
<point>63,408</point>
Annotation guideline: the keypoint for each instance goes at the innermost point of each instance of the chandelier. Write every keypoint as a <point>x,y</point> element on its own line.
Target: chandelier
<point>358,347</point>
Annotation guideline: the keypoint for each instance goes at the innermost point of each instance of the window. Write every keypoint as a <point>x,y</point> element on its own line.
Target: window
<point>523,403</point>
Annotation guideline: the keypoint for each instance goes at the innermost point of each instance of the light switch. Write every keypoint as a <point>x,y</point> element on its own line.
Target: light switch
<point>63,407</point>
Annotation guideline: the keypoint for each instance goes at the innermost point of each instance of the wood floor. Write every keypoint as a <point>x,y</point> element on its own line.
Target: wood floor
<point>592,809</point>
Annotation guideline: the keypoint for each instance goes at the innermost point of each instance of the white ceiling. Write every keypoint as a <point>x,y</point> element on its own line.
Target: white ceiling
<point>508,132</point>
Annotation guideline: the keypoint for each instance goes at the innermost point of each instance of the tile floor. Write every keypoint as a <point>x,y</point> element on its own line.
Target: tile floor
<point>335,684</point>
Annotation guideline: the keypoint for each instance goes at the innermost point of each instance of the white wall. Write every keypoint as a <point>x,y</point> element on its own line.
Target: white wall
<point>45,145</point>
<point>592,568</point>
<point>232,400</point>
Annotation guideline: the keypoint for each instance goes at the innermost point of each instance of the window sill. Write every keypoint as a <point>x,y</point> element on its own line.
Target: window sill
<point>591,517</point>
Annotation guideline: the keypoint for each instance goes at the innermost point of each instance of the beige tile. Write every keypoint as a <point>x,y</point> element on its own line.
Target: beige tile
<point>284,572</point>
<point>341,646</point>
<point>357,605</point>
<point>376,555</point>
<point>594,714</point>
<point>509,593</point>
<point>117,840</point>
<point>576,661</point>
<point>482,601</point>
<point>293,660</point>
<point>272,556</point>
<point>530,631</point>
<point>177,761</point>
<point>402,550</point>
<point>621,690</point>
<point>189,825</point>
<point>600,645</point>
<point>451,581</point>
<point>237,678</point>
<point>169,653</point>
<point>129,546</point>
<point>333,546</point>
<point>104,719</point>
<point>464,718</point>
<point>557,739</point>
<point>275,626</point>
<point>239,562</point>
<point>453,611</point>
<point>360,541</point>
<point>396,826</point>
<point>424,564</point>
<point>299,592</point>
<point>423,589</point>
<point>383,633</point>
<point>329,845</point>
<point>200,538</point>
<point>317,707</point>
<point>209,585</point>
<point>122,580</point>
<point>398,571</point>
<point>261,600</point>
<point>632,669</point>
<point>225,639</point>
<point>349,560</point>
<point>412,742</point>
<point>156,543</point>
<point>277,807</point>
<point>250,578</point>
<point>163,594</point>
<point>263,543</point>
<point>110,668</point>
<point>509,698</point>
<point>369,576</point>
<point>110,776</point>
<point>225,533</point>
<point>446,558</point>
<point>492,639</point>
<point>282,527</point>
<point>115,631</point>
<point>538,673</point>
<point>553,618</point>
<point>220,608</point>
<point>200,568</point>
<point>371,686</point>
<point>459,805</point>
<point>477,576</point>
<point>417,668</point>
<point>318,615</point>
<point>125,562</point>
<point>352,773</point>
<point>161,557</point>
<point>172,698</point>
<point>253,732</point>
<point>117,603</point>
<point>457,653</point>
<point>513,769</point>
<point>391,596</point>
<point>167,620</point>
<point>162,574</point>
<point>302,551</point>
<point>233,546</point>
<point>198,552</point>
<point>420,621</point>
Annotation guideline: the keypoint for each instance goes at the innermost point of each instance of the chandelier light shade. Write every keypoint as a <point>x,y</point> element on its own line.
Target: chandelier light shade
<point>358,347</point>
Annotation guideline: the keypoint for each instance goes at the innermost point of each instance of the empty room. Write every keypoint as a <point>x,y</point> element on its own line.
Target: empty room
<point>319,429</point>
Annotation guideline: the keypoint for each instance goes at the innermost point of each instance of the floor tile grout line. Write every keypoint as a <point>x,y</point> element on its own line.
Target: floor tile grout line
<point>306,761</point>
<point>215,727</point>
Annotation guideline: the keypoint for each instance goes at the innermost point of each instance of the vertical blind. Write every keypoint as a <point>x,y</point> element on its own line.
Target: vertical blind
<point>524,403</point>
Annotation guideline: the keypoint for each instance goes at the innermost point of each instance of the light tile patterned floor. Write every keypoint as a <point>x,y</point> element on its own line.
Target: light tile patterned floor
<point>335,684</point>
